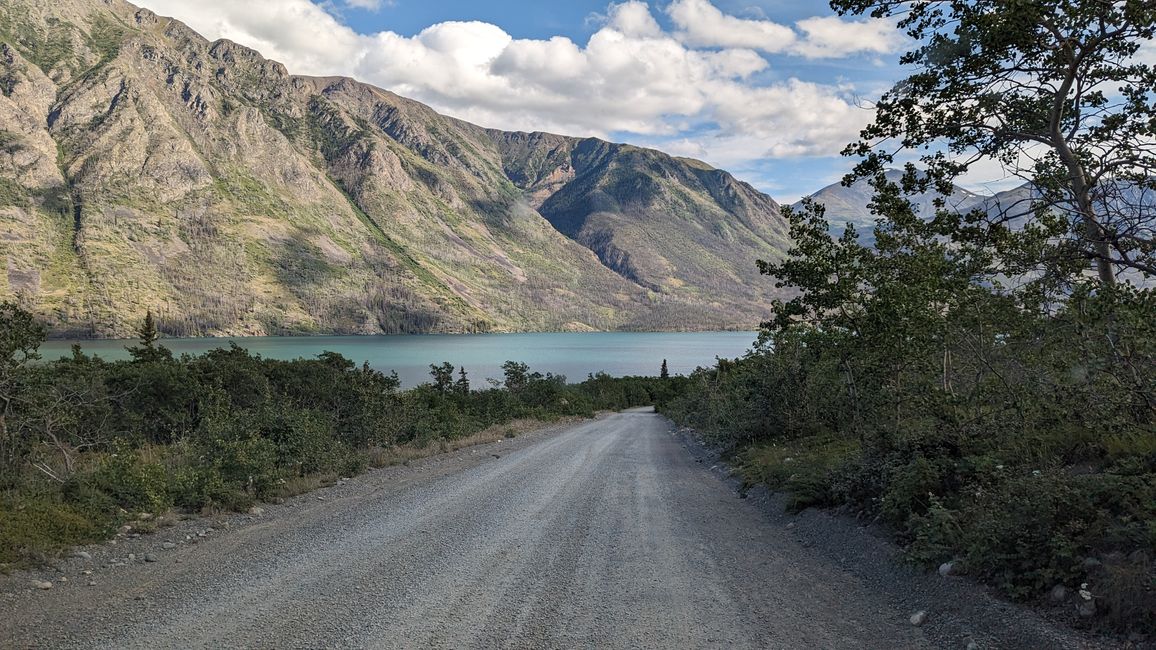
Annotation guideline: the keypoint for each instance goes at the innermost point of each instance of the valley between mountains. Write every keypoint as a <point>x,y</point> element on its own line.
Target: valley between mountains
<point>143,167</point>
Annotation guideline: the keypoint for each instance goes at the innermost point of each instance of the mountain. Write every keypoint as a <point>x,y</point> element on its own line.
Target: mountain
<point>145,167</point>
<point>850,204</point>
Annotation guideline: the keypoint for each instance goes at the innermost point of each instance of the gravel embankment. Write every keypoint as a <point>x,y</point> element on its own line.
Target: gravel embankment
<point>604,534</point>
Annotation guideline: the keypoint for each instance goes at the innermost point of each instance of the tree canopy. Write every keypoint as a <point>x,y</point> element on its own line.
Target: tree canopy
<point>1061,94</point>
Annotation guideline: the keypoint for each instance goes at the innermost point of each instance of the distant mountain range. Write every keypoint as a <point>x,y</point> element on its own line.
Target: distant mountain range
<point>849,205</point>
<point>143,167</point>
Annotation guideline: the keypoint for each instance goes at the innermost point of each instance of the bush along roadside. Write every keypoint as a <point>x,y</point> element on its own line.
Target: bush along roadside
<point>87,446</point>
<point>1025,455</point>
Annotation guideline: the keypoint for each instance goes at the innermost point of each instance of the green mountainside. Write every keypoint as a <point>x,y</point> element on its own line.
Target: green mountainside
<point>145,167</point>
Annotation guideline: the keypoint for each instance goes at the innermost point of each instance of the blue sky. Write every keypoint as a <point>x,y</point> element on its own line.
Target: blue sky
<point>768,89</point>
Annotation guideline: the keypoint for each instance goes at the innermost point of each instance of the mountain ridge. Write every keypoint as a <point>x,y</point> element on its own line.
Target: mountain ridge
<point>150,168</point>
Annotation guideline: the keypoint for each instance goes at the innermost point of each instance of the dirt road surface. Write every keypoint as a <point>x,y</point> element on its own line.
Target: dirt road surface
<point>608,534</point>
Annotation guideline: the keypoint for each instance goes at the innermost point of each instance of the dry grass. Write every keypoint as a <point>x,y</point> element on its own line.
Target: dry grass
<point>294,486</point>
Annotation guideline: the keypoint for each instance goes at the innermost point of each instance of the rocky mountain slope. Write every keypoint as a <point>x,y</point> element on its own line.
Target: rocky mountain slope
<point>144,167</point>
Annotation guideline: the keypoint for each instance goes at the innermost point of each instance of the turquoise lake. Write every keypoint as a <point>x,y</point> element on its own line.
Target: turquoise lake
<point>482,355</point>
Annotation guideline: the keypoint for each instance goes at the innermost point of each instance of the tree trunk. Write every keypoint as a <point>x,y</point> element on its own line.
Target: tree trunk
<point>1094,232</point>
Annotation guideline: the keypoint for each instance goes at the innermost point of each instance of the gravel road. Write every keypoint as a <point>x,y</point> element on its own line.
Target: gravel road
<point>605,534</point>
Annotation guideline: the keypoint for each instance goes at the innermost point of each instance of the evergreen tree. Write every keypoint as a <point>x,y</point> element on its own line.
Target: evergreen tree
<point>462,387</point>
<point>664,373</point>
<point>148,350</point>
<point>148,333</point>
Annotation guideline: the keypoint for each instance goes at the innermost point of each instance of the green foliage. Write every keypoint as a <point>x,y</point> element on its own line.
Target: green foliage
<point>20,338</point>
<point>994,79</point>
<point>1014,435</point>
<point>130,482</point>
<point>1010,430</point>
<point>803,469</point>
<point>516,375</point>
<point>443,377</point>
<point>91,440</point>
<point>36,527</point>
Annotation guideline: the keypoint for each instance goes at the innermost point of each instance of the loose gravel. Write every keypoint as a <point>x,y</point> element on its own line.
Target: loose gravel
<point>608,534</point>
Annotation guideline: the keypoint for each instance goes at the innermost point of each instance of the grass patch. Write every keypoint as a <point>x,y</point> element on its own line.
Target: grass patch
<point>803,469</point>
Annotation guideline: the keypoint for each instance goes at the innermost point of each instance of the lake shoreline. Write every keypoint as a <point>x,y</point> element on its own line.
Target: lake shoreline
<point>52,338</point>
<point>573,354</point>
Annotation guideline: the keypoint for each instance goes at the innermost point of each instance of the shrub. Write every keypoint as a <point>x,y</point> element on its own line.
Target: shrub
<point>33,528</point>
<point>130,482</point>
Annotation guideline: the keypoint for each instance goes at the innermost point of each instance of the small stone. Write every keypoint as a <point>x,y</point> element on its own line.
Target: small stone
<point>42,584</point>
<point>149,557</point>
<point>320,498</point>
<point>62,579</point>
<point>145,516</point>
<point>1087,609</point>
<point>168,546</point>
<point>947,569</point>
<point>131,556</point>
<point>256,511</point>
<point>972,645</point>
<point>86,572</point>
<point>1058,594</point>
<point>918,618</point>
<point>791,525</point>
<point>91,583</point>
<point>83,555</point>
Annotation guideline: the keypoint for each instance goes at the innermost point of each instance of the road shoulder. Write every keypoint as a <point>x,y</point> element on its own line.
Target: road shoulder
<point>958,610</point>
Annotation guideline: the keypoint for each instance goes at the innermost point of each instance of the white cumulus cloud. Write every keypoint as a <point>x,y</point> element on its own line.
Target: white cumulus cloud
<point>833,37</point>
<point>701,24</point>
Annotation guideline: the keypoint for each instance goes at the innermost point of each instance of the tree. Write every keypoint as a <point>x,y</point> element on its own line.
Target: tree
<point>148,350</point>
<point>20,338</point>
<point>663,372</point>
<point>1053,90</point>
<point>517,375</point>
<point>148,331</point>
<point>462,386</point>
<point>443,377</point>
